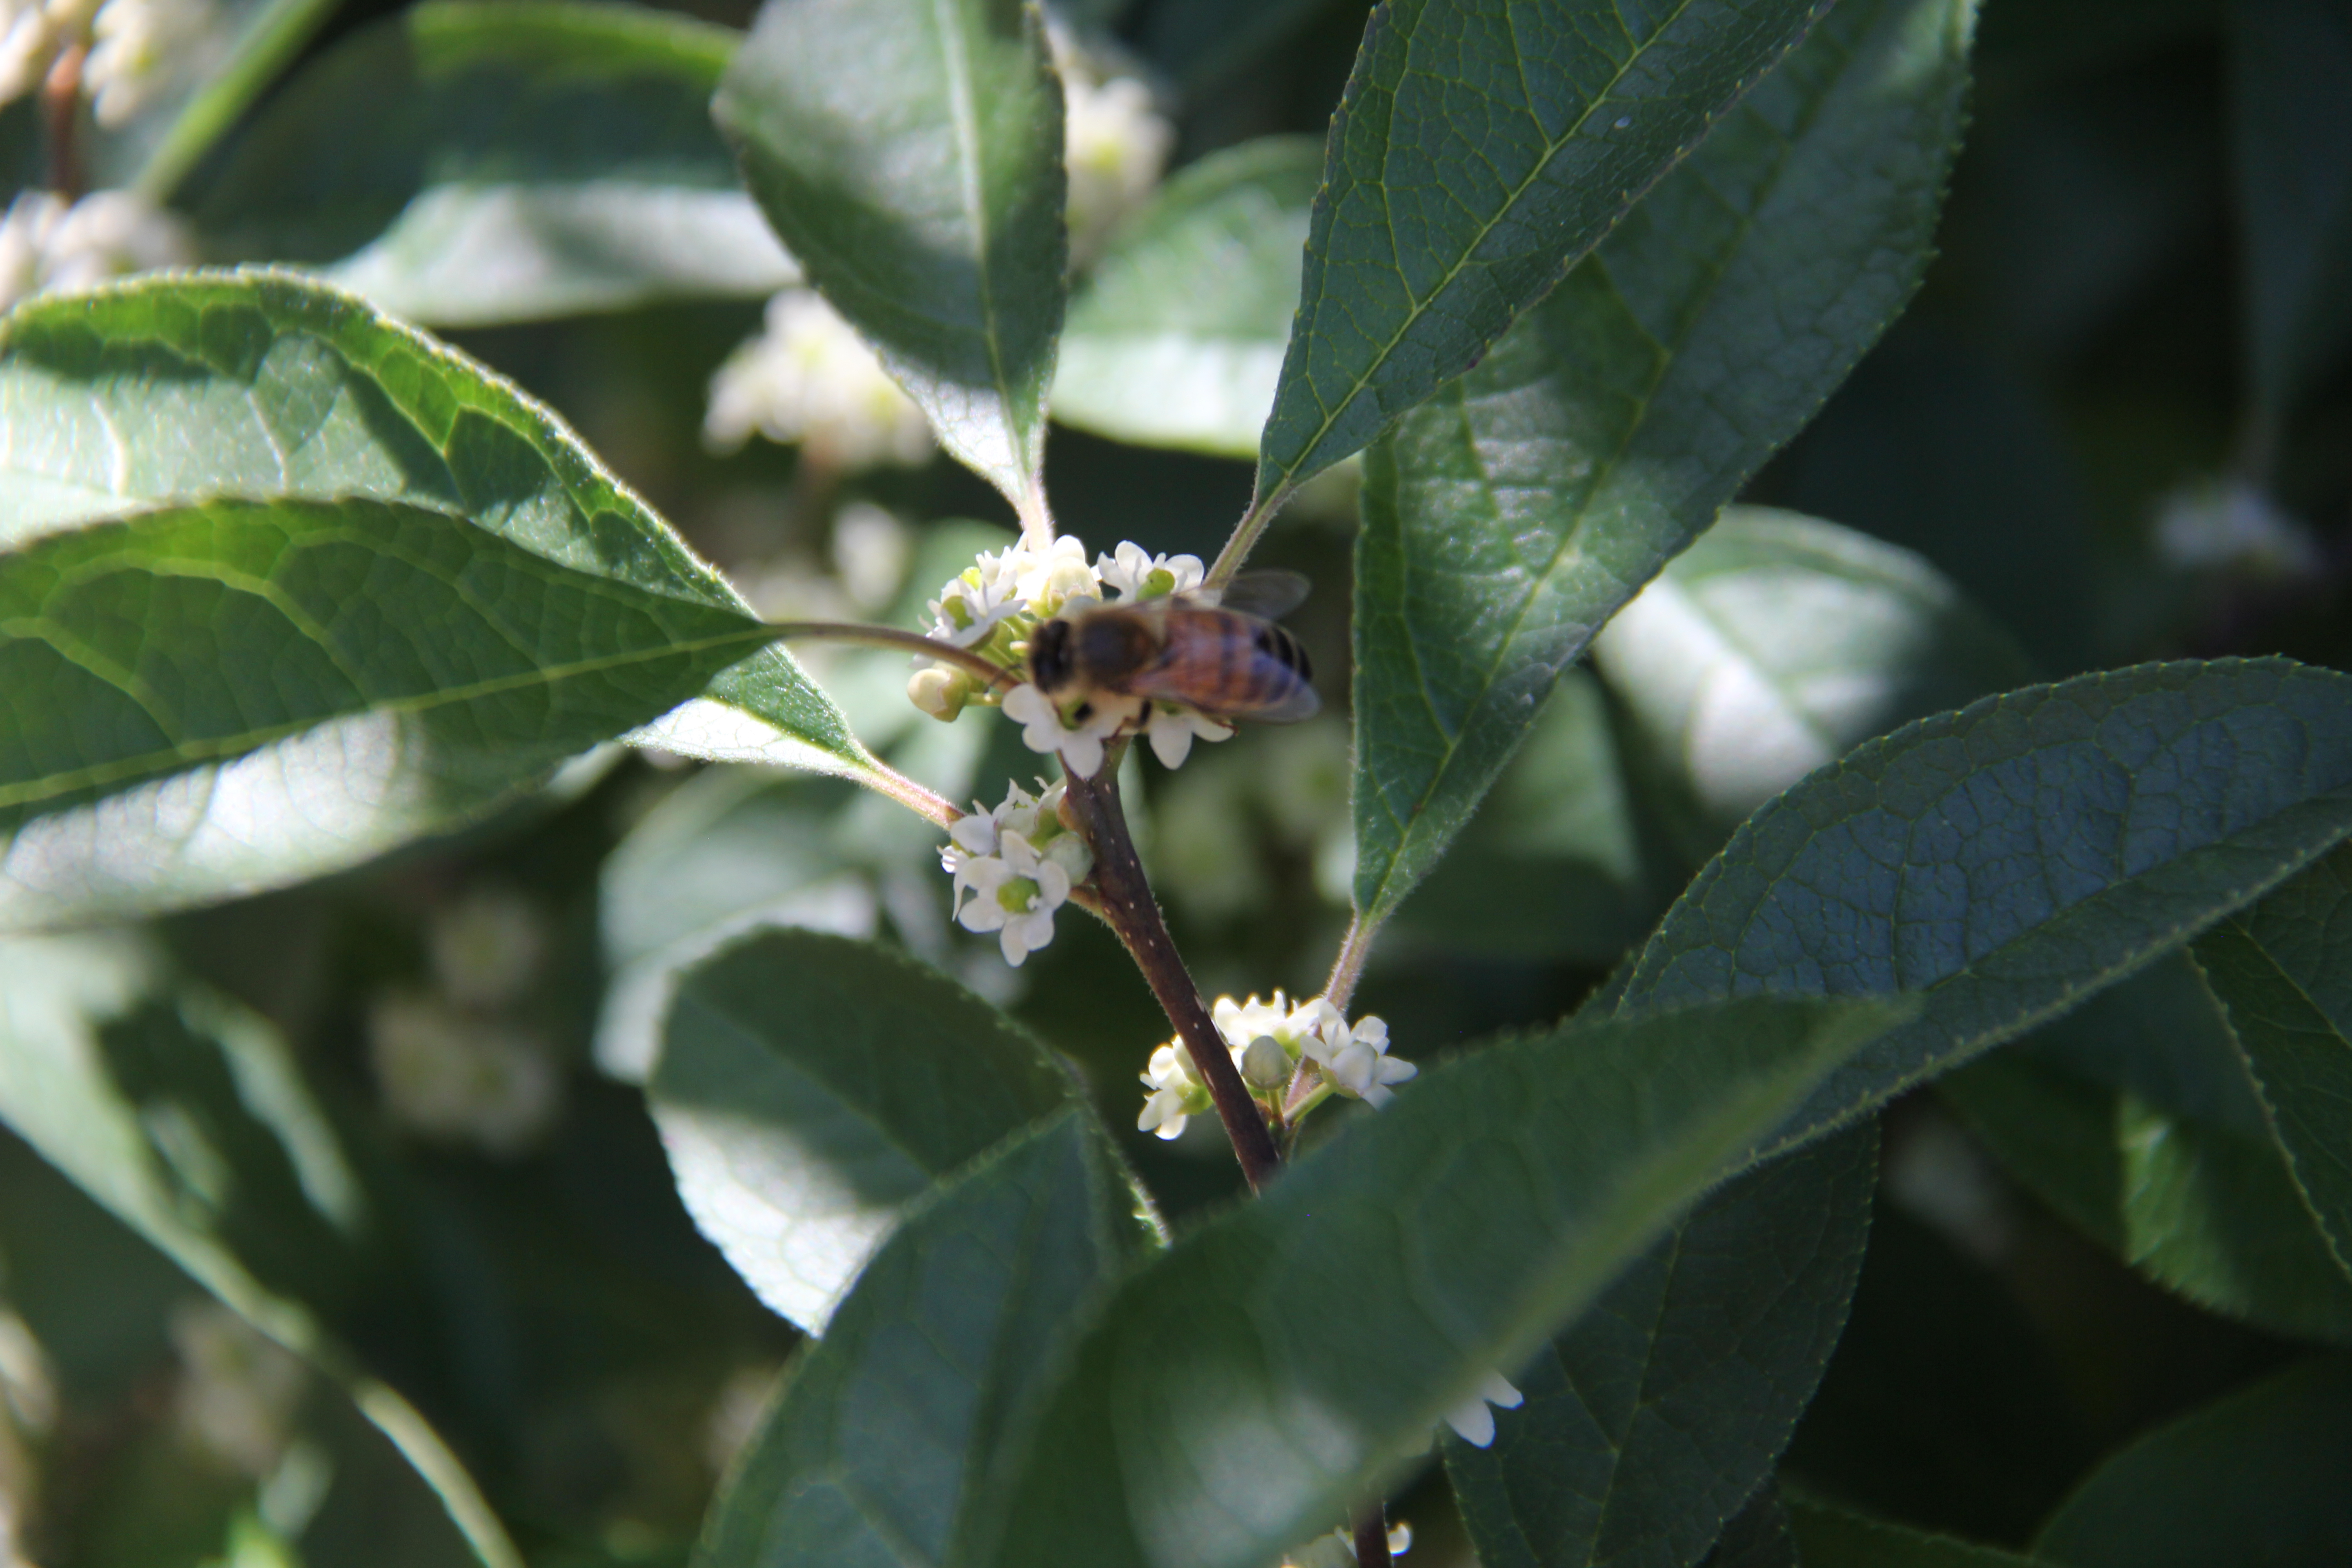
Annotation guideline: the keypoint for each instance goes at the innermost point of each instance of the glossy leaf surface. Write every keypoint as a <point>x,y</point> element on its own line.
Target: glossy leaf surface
<point>2010,859</point>
<point>1776,643</point>
<point>1481,148</point>
<point>1507,521</point>
<point>910,154</point>
<point>810,1087</point>
<point>254,392</point>
<point>1176,338</point>
<point>1242,1390</point>
<point>1650,1420</point>
<point>466,165</point>
<point>882,1448</point>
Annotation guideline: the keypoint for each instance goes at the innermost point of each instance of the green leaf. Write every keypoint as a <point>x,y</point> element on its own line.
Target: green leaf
<point>270,35</point>
<point>231,695</point>
<point>2291,130</point>
<point>1482,146</point>
<point>909,152</point>
<point>1833,1538</point>
<point>463,164</point>
<point>882,1448</point>
<point>1652,1419</point>
<point>260,389</point>
<point>1176,338</point>
<point>1506,522</point>
<point>1554,866</point>
<point>1282,1360</point>
<point>809,1087</point>
<point>2283,970</point>
<point>1778,643</point>
<point>1756,1537</point>
<point>186,1118</point>
<point>2256,1479</point>
<point>2133,1118</point>
<point>2007,861</point>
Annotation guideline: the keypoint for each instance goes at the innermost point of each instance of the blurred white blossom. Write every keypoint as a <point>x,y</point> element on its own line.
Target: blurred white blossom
<point>137,48</point>
<point>1116,144</point>
<point>808,378</point>
<point>46,245</point>
<point>487,947</point>
<point>1473,1420</point>
<point>457,1075</point>
<point>238,1388</point>
<point>1338,1550</point>
<point>32,34</point>
<point>2231,524</point>
<point>1269,1041</point>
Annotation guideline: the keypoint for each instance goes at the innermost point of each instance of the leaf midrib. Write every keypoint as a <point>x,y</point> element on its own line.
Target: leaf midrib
<point>157,765</point>
<point>1470,249</point>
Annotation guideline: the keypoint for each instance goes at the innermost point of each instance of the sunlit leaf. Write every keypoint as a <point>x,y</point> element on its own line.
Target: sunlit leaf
<point>1176,338</point>
<point>910,154</point>
<point>460,164</point>
<point>429,593</point>
<point>1507,521</point>
<point>1240,1392</point>
<point>1480,148</point>
<point>809,1087</point>
<point>884,1445</point>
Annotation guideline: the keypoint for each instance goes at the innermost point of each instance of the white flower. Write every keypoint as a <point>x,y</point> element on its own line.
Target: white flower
<point>1116,144</point>
<point>1041,729</point>
<point>32,34</point>
<point>1177,1092</point>
<point>1044,576</point>
<point>1172,731</point>
<point>138,46</point>
<point>1014,894</point>
<point>810,378</point>
<point>971,606</point>
<point>457,1075</point>
<point>1356,1060</point>
<point>2232,525</point>
<point>1138,574</point>
<point>46,244</point>
<point>1473,1420</point>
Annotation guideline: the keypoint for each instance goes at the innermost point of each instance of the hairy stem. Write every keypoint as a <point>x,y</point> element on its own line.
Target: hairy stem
<point>1373,1537</point>
<point>889,783</point>
<point>1246,536</point>
<point>891,636</point>
<point>1349,967</point>
<point>1129,908</point>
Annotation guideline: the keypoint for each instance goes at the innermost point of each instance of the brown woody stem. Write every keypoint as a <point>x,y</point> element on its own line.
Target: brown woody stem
<point>1373,1537</point>
<point>1129,908</point>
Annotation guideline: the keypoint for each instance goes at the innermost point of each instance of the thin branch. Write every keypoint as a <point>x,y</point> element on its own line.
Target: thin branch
<point>891,636</point>
<point>1373,1537</point>
<point>1348,968</point>
<point>61,119</point>
<point>1129,908</point>
<point>889,783</point>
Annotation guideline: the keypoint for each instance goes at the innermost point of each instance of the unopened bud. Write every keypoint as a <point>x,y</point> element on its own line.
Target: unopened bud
<point>1266,1064</point>
<point>1069,851</point>
<point>941,693</point>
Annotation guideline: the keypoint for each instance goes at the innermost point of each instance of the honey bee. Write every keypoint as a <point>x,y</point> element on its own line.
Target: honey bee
<point>1219,653</point>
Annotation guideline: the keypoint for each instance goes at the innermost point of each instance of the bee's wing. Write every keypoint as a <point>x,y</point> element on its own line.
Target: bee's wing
<point>1269,595</point>
<point>1301,703</point>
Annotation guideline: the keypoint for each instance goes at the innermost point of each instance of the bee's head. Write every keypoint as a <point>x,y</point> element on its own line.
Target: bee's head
<point>1050,666</point>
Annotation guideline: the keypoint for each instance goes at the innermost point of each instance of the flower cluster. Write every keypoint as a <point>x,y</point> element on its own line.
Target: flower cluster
<point>46,243</point>
<point>994,606</point>
<point>136,48</point>
<point>1013,867</point>
<point>809,378</point>
<point>1292,1058</point>
<point>1115,143</point>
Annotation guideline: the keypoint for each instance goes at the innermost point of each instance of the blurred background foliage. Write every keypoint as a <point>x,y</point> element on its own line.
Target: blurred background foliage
<point>2115,425</point>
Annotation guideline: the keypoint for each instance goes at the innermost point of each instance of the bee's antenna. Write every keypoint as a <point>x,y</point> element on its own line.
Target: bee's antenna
<point>891,636</point>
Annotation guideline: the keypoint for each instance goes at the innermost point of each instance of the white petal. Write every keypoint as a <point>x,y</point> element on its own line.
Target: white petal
<point>1472,1421</point>
<point>1171,743</point>
<point>1081,754</point>
<point>1497,1392</point>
